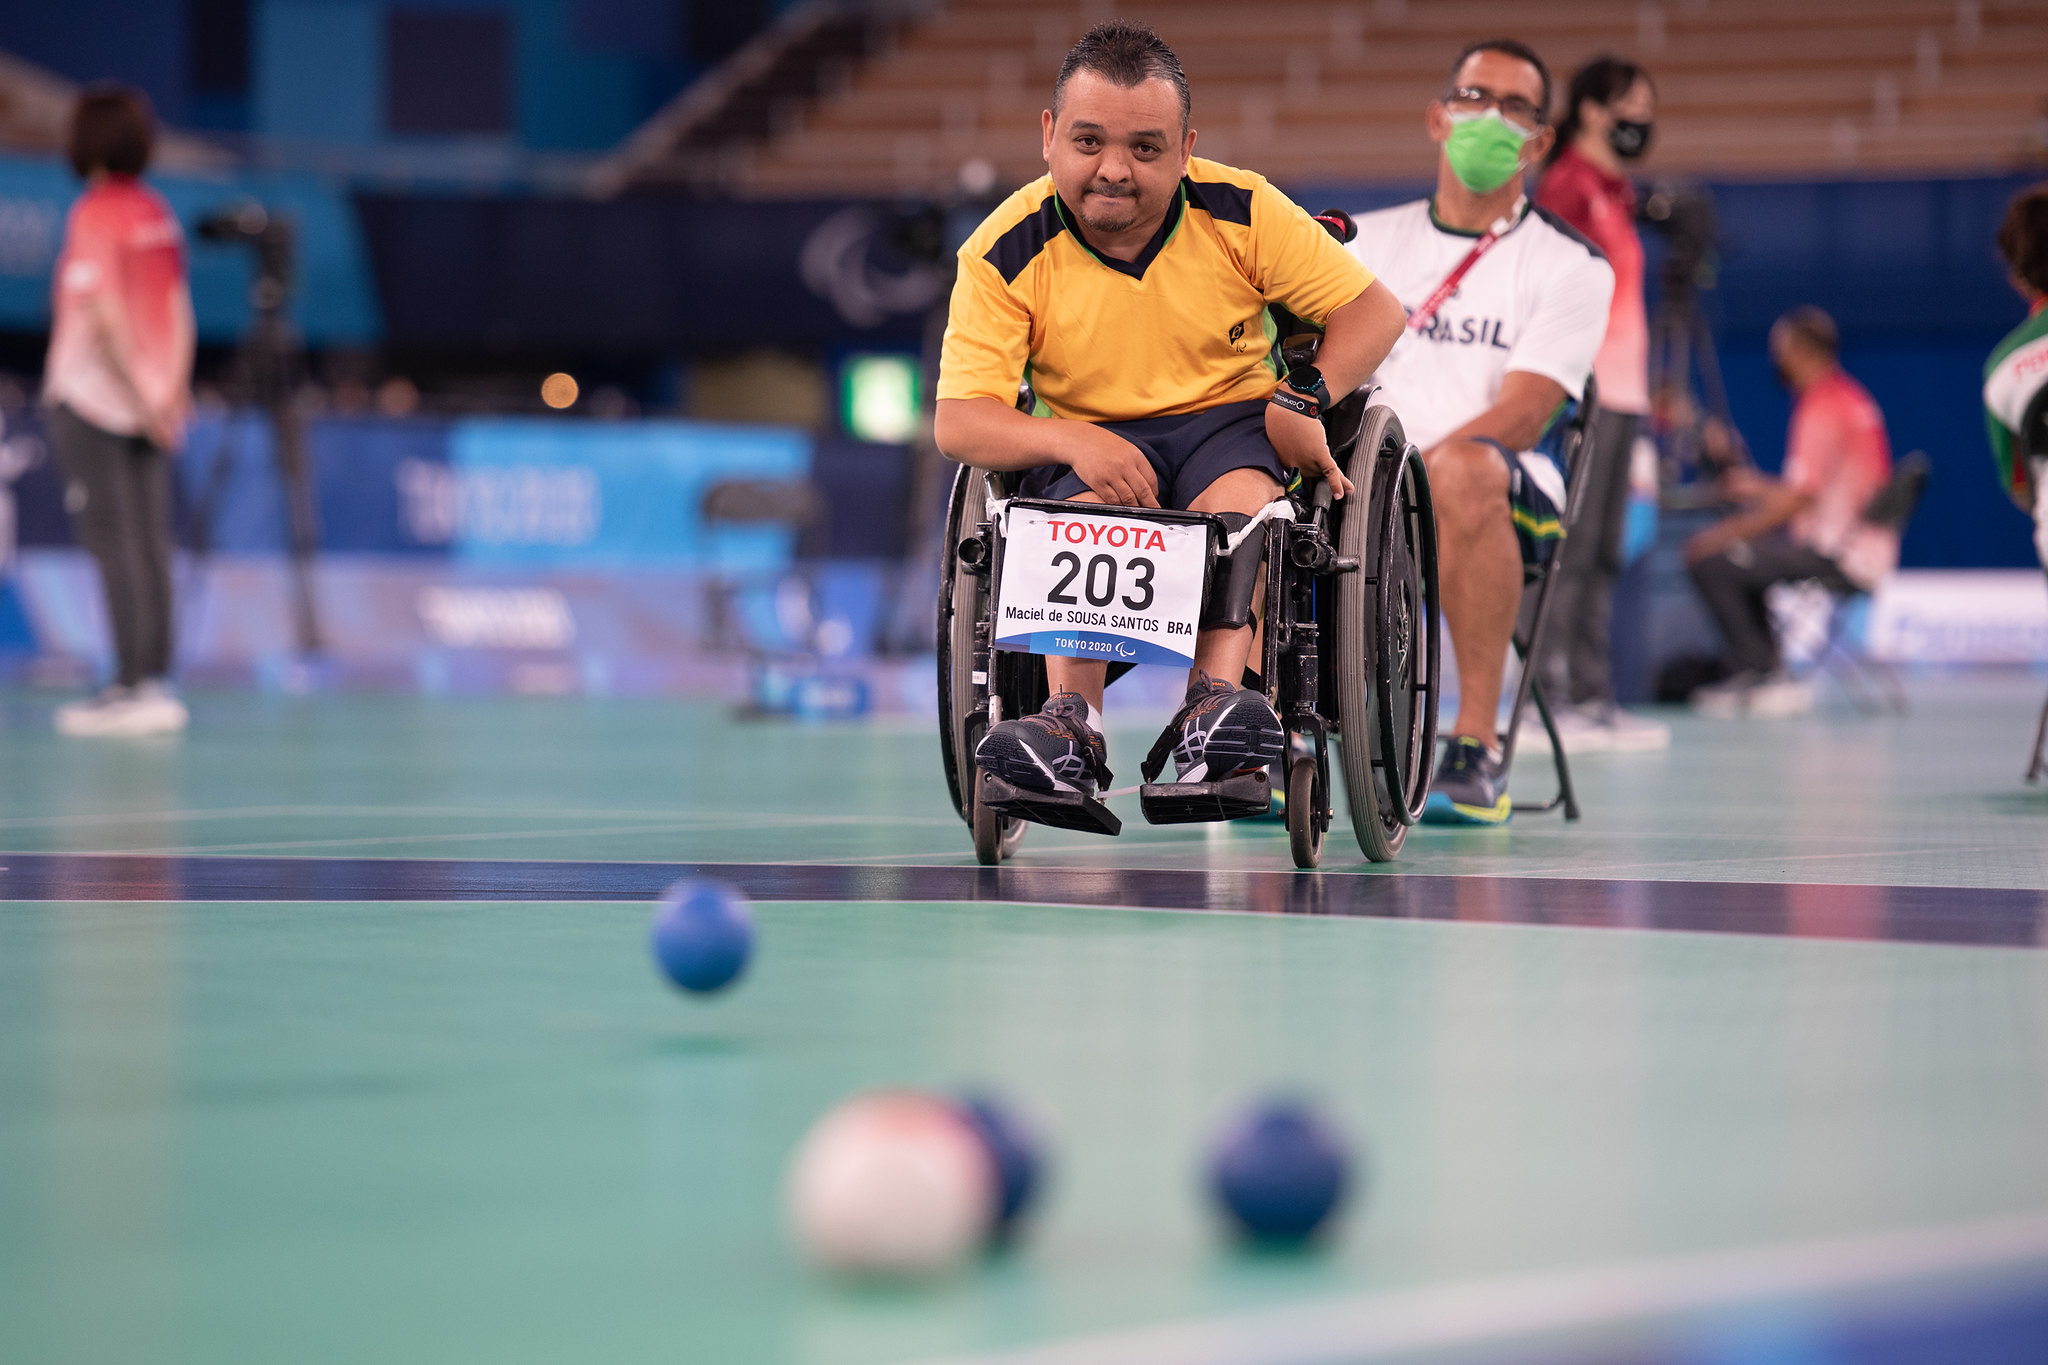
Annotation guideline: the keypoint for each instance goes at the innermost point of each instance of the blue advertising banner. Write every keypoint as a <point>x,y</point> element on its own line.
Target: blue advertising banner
<point>375,479</point>
<point>500,492</point>
<point>542,491</point>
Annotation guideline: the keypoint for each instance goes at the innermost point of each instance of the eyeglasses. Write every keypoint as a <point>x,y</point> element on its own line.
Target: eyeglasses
<point>1471,99</point>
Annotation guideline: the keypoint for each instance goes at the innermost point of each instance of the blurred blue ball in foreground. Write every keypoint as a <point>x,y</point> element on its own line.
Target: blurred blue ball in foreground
<point>703,934</point>
<point>1018,1156</point>
<point>1280,1172</point>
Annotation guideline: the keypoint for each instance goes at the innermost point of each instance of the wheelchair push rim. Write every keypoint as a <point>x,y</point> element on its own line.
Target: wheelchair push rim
<point>1406,610</point>
<point>963,717</point>
<point>1385,636</point>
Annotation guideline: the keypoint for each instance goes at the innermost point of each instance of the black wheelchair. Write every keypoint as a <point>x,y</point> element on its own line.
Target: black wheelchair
<point>1348,651</point>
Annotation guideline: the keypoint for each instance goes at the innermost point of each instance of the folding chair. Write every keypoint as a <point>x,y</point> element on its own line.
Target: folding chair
<point>794,504</point>
<point>1572,448</point>
<point>1872,684</point>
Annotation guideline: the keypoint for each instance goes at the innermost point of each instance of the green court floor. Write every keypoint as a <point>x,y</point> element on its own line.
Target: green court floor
<point>448,1132</point>
<point>1933,798</point>
<point>483,1133</point>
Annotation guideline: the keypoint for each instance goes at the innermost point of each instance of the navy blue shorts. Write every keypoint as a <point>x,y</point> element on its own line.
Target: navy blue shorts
<point>1535,510</point>
<point>1187,453</point>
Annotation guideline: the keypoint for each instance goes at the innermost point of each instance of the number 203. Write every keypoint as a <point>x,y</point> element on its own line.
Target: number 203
<point>1100,584</point>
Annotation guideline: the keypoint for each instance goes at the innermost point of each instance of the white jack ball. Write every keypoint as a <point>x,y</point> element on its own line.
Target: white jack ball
<point>893,1183</point>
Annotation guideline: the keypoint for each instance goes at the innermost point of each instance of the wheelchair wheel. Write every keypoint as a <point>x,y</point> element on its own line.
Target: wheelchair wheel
<point>1386,635</point>
<point>1304,831</point>
<point>963,599</point>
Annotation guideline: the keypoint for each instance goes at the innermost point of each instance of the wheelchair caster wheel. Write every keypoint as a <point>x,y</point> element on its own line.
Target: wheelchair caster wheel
<point>996,835</point>
<point>1304,820</point>
<point>988,835</point>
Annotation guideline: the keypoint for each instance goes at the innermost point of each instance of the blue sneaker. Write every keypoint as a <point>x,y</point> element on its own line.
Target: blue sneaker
<point>1055,750</point>
<point>1220,730</point>
<point>1469,788</point>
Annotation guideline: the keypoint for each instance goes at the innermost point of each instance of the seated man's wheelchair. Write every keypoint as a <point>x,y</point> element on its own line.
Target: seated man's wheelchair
<point>1348,651</point>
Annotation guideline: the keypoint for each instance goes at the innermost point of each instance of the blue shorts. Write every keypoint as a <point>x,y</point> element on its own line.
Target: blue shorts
<point>1187,453</point>
<point>1535,509</point>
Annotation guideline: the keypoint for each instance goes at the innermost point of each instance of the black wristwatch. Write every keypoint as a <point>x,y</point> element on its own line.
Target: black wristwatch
<point>1304,379</point>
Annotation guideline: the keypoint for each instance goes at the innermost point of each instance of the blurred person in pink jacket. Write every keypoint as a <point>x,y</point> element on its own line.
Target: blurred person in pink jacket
<point>117,384</point>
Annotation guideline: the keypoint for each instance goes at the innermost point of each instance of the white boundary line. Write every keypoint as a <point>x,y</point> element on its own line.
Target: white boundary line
<point>1380,1326</point>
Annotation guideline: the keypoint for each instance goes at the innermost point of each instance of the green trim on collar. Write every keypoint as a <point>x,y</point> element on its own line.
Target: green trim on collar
<point>1441,226</point>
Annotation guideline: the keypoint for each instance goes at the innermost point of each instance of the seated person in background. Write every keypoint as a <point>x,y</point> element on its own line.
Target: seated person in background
<point>1131,286</point>
<point>2018,368</point>
<point>1507,307</point>
<point>1807,524</point>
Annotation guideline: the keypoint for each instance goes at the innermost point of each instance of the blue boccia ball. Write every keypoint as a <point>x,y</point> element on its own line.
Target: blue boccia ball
<point>703,934</point>
<point>1279,1172</point>
<point>1018,1156</point>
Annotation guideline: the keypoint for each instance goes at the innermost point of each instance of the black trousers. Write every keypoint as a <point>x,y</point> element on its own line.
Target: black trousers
<point>1577,665</point>
<point>1733,583</point>
<point>118,491</point>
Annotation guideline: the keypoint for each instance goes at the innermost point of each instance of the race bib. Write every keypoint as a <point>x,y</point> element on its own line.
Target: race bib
<point>1097,585</point>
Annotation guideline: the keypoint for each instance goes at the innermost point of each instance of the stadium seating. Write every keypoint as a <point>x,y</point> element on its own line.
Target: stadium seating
<point>1327,91</point>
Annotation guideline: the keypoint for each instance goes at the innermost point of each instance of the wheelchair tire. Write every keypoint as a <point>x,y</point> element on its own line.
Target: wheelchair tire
<point>1386,708</point>
<point>1304,831</point>
<point>1407,624</point>
<point>962,598</point>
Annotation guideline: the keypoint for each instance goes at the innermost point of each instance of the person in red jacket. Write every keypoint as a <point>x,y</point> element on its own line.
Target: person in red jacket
<point>1606,124</point>
<point>117,384</point>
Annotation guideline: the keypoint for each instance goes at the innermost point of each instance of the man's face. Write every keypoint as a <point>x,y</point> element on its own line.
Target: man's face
<point>1792,355</point>
<point>1116,153</point>
<point>1513,86</point>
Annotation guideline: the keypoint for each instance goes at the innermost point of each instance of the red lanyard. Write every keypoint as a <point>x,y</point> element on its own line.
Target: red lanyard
<point>1420,318</point>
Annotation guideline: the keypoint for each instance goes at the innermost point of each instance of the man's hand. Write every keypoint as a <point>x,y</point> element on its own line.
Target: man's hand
<point>1705,544</point>
<point>1112,467</point>
<point>164,423</point>
<point>1301,443</point>
<point>1741,483</point>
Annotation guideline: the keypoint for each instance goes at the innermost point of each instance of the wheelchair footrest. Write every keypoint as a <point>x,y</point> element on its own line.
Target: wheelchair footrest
<point>1187,803</point>
<point>1062,810</point>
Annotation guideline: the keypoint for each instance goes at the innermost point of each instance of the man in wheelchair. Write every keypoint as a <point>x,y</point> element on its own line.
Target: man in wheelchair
<point>1506,307</point>
<point>1130,288</point>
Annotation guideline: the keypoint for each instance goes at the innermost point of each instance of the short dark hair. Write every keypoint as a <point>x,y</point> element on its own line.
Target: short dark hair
<point>1126,55</point>
<point>112,130</point>
<point>1603,80</point>
<point>2023,236</point>
<point>1814,327</point>
<point>1509,47</point>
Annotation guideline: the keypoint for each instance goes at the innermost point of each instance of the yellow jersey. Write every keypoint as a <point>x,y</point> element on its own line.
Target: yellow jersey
<point>1181,329</point>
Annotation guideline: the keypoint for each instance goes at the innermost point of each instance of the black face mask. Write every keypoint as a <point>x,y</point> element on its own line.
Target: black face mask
<point>1629,138</point>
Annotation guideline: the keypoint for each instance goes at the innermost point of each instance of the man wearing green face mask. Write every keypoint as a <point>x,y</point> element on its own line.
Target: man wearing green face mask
<point>1506,307</point>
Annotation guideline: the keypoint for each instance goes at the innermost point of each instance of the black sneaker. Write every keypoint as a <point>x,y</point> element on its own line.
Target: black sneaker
<point>1053,751</point>
<point>1222,730</point>
<point>1469,788</point>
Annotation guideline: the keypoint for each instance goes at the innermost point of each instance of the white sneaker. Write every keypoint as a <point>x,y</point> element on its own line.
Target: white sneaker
<point>1580,729</point>
<point>1727,699</point>
<point>96,715</point>
<point>1780,695</point>
<point>149,708</point>
<point>1632,734</point>
<point>1765,696</point>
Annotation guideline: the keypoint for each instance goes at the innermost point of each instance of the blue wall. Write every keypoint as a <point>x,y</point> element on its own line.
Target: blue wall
<point>142,42</point>
<point>583,73</point>
<point>335,303</point>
